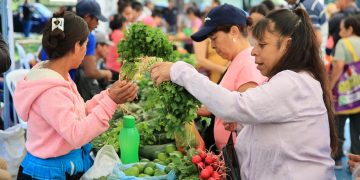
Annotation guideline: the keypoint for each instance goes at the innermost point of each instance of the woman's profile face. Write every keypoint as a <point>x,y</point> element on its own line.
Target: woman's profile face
<point>268,52</point>
<point>80,51</point>
<point>222,43</point>
<point>343,31</point>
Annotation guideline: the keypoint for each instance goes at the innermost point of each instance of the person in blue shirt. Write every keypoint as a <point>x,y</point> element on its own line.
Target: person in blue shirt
<point>90,11</point>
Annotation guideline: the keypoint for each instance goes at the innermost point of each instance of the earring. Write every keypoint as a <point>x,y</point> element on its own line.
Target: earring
<point>233,39</point>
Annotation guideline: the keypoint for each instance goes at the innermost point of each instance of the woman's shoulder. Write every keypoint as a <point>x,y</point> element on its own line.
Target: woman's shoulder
<point>296,78</point>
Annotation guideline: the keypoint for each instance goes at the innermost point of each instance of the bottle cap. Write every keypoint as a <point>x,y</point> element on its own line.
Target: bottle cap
<point>129,121</point>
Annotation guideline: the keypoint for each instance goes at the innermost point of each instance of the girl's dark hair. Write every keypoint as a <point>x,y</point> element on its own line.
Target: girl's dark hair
<point>302,53</point>
<point>123,4</point>
<point>354,22</point>
<point>242,28</point>
<point>136,6</point>
<point>117,22</point>
<point>57,43</point>
<point>261,9</point>
<point>269,4</point>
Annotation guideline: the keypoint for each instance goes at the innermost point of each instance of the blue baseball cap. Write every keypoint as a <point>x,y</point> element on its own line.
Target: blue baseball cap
<point>91,7</point>
<point>225,14</point>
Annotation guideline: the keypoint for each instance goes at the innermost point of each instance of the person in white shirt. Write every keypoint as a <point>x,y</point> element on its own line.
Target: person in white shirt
<point>289,128</point>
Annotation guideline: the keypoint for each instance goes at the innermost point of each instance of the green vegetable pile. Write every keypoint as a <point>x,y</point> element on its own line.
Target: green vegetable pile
<point>142,47</point>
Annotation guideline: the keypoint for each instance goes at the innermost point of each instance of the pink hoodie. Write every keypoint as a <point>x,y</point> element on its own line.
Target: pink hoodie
<point>58,119</point>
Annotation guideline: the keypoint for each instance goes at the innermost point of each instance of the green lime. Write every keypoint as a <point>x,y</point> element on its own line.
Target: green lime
<point>141,167</point>
<point>159,172</point>
<point>170,148</point>
<point>133,171</point>
<point>149,171</point>
<point>150,164</point>
<point>143,175</point>
<point>177,154</point>
<point>162,156</point>
<point>156,161</point>
<point>167,161</point>
<point>144,160</point>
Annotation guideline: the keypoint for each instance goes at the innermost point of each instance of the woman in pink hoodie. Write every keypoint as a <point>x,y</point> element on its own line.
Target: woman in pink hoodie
<point>60,123</point>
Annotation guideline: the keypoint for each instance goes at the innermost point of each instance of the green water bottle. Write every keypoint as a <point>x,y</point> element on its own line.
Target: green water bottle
<point>129,141</point>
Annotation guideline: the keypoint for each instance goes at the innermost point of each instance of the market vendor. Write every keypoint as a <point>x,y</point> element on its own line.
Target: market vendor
<point>60,124</point>
<point>289,128</point>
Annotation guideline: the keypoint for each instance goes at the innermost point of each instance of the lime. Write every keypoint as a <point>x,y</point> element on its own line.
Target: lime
<point>167,161</point>
<point>141,167</point>
<point>149,171</point>
<point>133,171</point>
<point>144,160</point>
<point>170,148</point>
<point>177,154</point>
<point>162,156</point>
<point>151,164</point>
<point>156,160</point>
<point>143,175</point>
<point>159,172</point>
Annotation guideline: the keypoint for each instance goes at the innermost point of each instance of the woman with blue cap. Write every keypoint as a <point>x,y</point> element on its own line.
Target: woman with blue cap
<point>289,130</point>
<point>226,26</point>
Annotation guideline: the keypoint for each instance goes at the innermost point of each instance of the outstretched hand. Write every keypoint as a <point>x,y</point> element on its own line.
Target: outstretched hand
<point>122,91</point>
<point>160,72</point>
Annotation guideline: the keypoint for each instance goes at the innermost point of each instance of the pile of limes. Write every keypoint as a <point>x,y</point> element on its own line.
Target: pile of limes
<point>146,170</point>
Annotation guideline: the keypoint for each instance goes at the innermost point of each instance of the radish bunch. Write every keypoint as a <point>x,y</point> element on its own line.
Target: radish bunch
<point>211,166</point>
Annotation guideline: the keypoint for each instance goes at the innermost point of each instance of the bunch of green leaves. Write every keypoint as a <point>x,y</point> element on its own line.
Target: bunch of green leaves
<point>185,169</point>
<point>141,40</point>
<point>175,106</point>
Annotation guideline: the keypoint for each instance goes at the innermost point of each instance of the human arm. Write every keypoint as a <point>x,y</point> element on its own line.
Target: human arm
<point>200,49</point>
<point>253,106</point>
<point>338,63</point>
<point>91,71</point>
<point>67,119</point>
<point>120,92</point>
<point>63,116</point>
<point>337,69</point>
<point>5,61</point>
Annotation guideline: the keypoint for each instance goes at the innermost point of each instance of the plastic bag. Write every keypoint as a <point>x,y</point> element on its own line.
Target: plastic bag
<point>231,160</point>
<point>106,159</point>
<point>118,173</point>
<point>12,148</point>
<point>189,138</point>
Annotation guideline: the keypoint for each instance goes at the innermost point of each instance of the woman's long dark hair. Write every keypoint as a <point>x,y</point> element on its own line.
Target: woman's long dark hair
<point>302,53</point>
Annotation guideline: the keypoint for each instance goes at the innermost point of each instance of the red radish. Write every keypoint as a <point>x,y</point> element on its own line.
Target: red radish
<point>215,158</point>
<point>210,169</point>
<point>202,154</point>
<point>216,175</point>
<point>196,159</point>
<point>208,160</point>
<point>201,165</point>
<point>211,178</point>
<point>216,165</point>
<point>205,174</point>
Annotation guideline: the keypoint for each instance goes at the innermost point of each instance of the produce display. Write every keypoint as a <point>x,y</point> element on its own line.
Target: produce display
<point>164,114</point>
<point>142,47</point>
